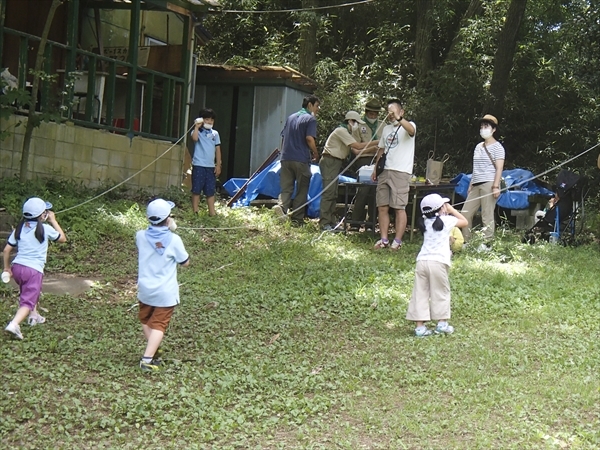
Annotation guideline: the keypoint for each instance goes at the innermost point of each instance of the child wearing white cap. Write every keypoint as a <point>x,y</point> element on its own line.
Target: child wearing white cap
<point>430,298</point>
<point>160,252</point>
<point>30,237</point>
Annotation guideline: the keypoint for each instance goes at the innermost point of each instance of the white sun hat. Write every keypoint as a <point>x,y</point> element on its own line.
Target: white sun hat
<point>158,210</point>
<point>35,207</point>
<point>433,202</point>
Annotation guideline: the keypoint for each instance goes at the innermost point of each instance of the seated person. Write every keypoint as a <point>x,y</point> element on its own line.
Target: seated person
<point>541,214</point>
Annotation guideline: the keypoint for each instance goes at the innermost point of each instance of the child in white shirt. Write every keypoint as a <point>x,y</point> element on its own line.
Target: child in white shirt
<point>430,298</point>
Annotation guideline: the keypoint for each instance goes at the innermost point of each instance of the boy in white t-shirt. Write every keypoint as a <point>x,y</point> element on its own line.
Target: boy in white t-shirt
<point>430,298</point>
<point>160,251</point>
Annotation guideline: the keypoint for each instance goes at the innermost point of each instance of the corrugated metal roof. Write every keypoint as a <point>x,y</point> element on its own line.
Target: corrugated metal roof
<point>259,72</point>
<point>213,3</point>
<point>192,5</point>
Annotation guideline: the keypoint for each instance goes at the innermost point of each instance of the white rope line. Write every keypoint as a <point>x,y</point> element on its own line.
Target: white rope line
<point>290,212</point>
<point>217,229</point>
<point>333,230</point>
<point>334,181</point>
<point>132,176</point>
<point>240,11</point>
<point>535,176</point>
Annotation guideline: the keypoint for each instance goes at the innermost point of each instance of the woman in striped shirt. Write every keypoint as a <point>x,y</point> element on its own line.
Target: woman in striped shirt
<point>484,189</point>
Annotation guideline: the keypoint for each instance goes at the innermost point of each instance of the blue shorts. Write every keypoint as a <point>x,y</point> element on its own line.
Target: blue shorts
<point>203,179</point>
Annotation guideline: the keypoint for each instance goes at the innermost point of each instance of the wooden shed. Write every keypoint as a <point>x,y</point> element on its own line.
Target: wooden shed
<point>251,103</point>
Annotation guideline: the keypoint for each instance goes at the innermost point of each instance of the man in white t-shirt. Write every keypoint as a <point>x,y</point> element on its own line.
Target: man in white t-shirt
<point>398,142</point>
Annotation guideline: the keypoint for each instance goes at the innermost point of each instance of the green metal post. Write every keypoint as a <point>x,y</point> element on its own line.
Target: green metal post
<point>186,56</point>
<point>72,23</point>
<point>171,112</point>
<point>90,98</point>
<point>22,70</point>
<point>2,17</point>
<point>109,93</point>
<point>166,126</point>
<point>134,38</point>
<point>149,93</point>
<point>46,81</point>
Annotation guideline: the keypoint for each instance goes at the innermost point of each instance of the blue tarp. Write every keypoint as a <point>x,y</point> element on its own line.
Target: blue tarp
<point>521,183</point>
<point>267,183</point>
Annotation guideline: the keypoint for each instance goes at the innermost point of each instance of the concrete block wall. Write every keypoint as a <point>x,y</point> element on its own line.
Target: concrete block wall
<point>96,157</point>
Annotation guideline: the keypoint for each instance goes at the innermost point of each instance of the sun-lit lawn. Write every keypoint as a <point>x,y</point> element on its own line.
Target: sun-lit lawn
<point>287,340</point>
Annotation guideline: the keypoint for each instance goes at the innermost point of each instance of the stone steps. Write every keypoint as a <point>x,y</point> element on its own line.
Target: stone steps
<point>7,222</point>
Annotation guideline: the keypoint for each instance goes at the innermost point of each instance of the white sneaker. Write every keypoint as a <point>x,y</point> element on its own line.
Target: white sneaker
<point>380,244</point>
<point>396,245</point>
<point>34,319</point>
<point>15,330</point>
<point>483,248</point>
<point>422,331</point>
<point>444,329</point>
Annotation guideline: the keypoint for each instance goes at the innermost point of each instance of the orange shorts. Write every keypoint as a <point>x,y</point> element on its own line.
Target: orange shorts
<point>155,317</point>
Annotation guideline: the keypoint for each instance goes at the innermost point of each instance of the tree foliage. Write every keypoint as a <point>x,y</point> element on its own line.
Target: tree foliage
<point>443,66</point>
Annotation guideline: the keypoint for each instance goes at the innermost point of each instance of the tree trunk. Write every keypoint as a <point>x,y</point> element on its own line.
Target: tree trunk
<point>423,57</point>
<point>32,120</point>
<point>475,8</point>
<point>503,60</point>
<point>308,39</point>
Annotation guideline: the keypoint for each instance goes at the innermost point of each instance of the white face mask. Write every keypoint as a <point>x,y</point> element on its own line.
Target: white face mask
<point>355,126</point>
<point>486,133</point>
<point>371,120</point>
<point>208,126</point>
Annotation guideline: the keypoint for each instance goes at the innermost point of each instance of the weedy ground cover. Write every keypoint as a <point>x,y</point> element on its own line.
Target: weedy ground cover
<point>289,339</point>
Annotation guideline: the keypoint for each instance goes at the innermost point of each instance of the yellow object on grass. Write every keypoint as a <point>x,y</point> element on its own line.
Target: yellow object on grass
<point>456,240</point>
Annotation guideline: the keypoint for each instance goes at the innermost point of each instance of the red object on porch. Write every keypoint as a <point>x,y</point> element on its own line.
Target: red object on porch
<point>120,123</point>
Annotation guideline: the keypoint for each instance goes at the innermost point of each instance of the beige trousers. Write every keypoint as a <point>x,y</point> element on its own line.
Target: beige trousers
<point>480,197</point>
<point>430,298</point>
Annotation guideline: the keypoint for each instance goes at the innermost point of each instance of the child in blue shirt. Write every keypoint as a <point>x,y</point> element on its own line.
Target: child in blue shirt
<point>30,237</point>
<point>160,251</point>
<point>207,149</point>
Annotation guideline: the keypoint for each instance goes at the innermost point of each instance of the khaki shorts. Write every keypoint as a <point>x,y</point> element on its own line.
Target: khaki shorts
<point>392,189</point>
<point>155,317</point>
